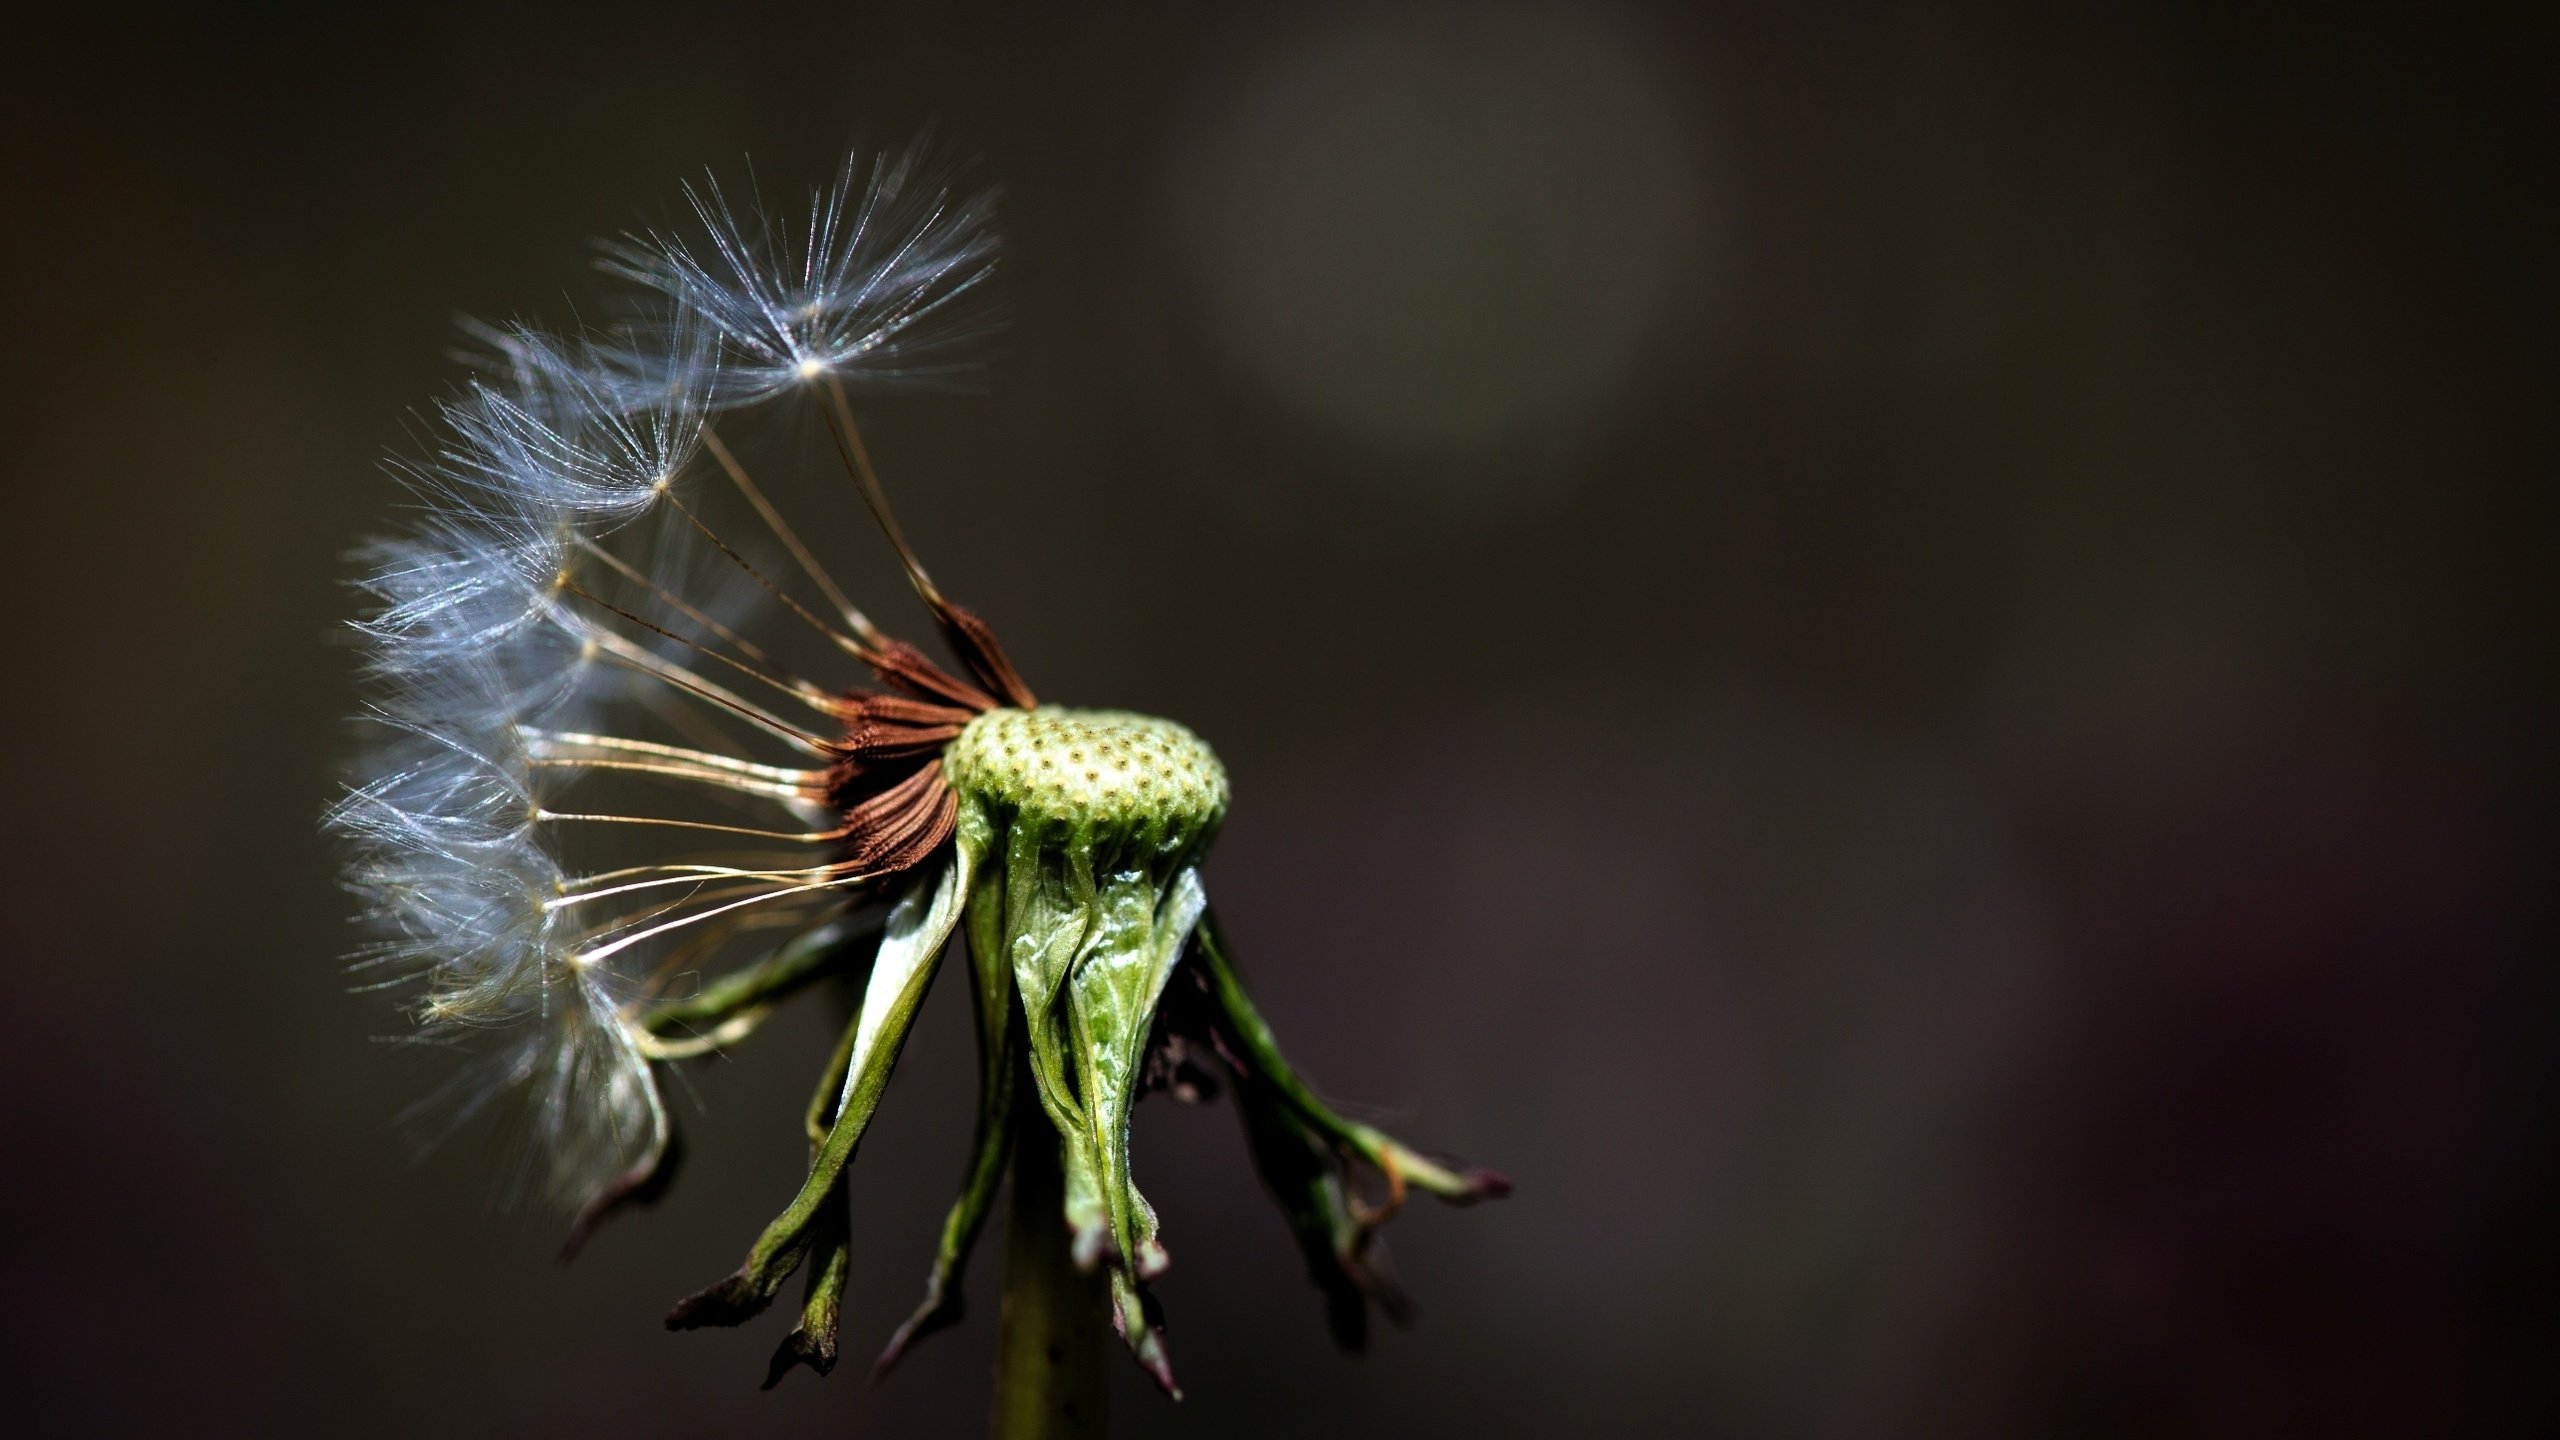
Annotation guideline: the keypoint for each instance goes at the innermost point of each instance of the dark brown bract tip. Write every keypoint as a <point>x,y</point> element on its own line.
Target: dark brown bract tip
<point>733,1301</point>
<point>799,1348</point>
<point>938,1313</point>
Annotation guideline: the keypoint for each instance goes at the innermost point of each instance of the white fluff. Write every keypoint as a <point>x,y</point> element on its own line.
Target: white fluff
<point>485,619</point>
<point>878,286</point>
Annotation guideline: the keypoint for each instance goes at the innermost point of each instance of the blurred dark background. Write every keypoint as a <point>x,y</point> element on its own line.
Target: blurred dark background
<point>1898,656</point>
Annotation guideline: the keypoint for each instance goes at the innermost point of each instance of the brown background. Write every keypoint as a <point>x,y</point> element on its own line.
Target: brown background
<point>1889,654</point>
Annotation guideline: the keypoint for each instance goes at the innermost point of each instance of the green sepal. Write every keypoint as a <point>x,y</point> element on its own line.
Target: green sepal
<point>918,929</point>
<point>820,1117</point>
<point>1117,984</point>
<point>812,1342</point>
<point>1304,1174</point>
<point>999,1058</point>
<point>718,1014</point>
<point>1049,898</point>
<point>1254,1049</point>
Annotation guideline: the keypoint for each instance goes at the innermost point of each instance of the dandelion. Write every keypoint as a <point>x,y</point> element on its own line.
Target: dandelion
<point>610,823</point>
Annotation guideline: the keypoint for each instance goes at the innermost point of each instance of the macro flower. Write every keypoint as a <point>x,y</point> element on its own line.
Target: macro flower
<point>641,772</point>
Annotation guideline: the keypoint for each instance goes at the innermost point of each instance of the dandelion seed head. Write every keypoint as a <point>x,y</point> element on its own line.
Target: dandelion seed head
<point>1092,767</point>
<point>541,625</point>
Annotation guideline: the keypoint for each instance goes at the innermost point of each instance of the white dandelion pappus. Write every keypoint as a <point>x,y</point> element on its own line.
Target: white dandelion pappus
<point>443,846</point>
<point>506,631</point>
<point>470,630</point>
<point>879,285</point>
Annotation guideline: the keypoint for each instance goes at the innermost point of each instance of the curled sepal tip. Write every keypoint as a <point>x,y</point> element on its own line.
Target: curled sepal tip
<point>1135,1316</point>
<point>733,1301</point>
<point>812,1342</point>
<point>803,1346</point>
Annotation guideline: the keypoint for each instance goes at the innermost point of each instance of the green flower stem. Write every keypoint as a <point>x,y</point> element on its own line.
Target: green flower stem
<point>1050,1383</point>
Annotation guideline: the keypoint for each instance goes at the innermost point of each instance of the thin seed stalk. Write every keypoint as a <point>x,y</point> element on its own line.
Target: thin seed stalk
<point>1050,1381</point>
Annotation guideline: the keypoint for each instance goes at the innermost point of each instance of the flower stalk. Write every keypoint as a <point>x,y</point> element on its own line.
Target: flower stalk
<point>1050,1381</point>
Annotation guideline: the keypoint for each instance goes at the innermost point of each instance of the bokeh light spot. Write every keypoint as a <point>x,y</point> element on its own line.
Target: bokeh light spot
<point>1450,233</point>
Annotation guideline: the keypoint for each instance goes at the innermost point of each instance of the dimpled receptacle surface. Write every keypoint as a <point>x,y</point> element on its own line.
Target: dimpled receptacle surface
<point>1090,767</point>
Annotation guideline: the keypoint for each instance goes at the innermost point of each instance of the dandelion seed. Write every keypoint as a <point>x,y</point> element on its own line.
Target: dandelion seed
<point>881,284</point>
<point>542,626</point>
